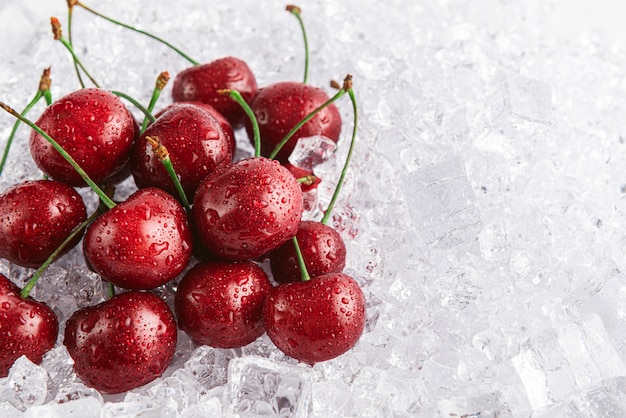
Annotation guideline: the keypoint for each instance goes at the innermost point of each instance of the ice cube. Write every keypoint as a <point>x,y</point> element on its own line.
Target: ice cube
<point>311,151</point>
<point>83,407</point>
<point>29,383</point>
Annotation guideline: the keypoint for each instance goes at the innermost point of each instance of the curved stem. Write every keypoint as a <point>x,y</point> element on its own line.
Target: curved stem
<point>135,103</point>
<point>164,156</point>
<point>303,271</point>
<point>29,106</point>
<point>235,95</point>
<point>160,84</point>
<point>70,8</point>
<point>307,118</point>
<point>347,87</point>
<point>55,254</point>
<point>156,38</point>
<point>295,10</point>
<point>101,194</point>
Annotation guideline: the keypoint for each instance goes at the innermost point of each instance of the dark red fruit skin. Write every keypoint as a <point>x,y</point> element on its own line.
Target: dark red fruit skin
<point>322,248</point>
<point>141,243</point>
<point>122,343</point>
<point>202,82</point>
<point>299,172</point>
<point>35,218</point>
<point>247,208</point>
<point>315,320</point>
<point>280,106</point>
<point>27,327</point>
<point>196,143</point>
<point>224,123</point>
<point>94,127</point>
<point>220,303</point>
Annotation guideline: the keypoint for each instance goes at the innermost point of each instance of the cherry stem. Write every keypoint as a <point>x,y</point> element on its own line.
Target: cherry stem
<point>156,38</point>
<point>347,86</point>
<point>111,291</point>
<point>70,8</point>
<point>58,36</point>
<point>55,254</point>
<point>101,194</point>
<point>304,273</point>
<point>307,180</point>
<point>160,84</point>
<point>44,87</point>
<point>235,95</point>
<point>163,155</point>
<point>307,118</point>
<point>135,103</point>
<point>295,10</point>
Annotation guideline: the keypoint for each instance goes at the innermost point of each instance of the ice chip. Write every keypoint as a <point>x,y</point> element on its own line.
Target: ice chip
<point>311,151</point>
<point>29,383</point>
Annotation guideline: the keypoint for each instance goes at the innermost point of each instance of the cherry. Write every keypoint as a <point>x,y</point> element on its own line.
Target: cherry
<point>317,319</point>
<point>141,243</point>
<point>280,106</point>
<point>202,82</point>
<point>247,208</point>
<point>300,173</point>
<point>322,248</point>
<point>94,127</point>
<point>221,303</point>
<point>122,343</point>
<point>27,327</point>
<point>35,218</point>
<point>196,143</point>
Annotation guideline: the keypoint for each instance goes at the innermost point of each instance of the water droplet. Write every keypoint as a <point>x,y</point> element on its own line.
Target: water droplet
<point>157,248</point>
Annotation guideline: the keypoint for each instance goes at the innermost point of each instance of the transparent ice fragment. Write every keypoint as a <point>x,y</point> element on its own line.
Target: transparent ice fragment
<point>9,411</point>
<point>134,409</point>
<point>259,387</point>
<point>29,383</point>
<point>490,405</point>
<point>83,408</point>
<point>209,366</point>
<point>442,204</point>
<point>208,408</point>
<point>311,151</point>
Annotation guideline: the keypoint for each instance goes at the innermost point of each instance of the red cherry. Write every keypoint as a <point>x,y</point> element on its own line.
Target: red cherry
<point>221,303</point>
<point>122,343</point>
<point>196,143</point>
<point>247,208</point>
<point>142,243</point>
<point>299,172</point>
<point>323,251</point>
<point>35,218</point>
<point>27,327</point>
<point>280,106</point>
<point>315,320</point>
<point>94,127</point>
<point>202,82</point>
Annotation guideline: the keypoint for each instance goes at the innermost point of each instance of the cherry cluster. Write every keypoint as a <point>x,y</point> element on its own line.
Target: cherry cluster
<point>198,218</point>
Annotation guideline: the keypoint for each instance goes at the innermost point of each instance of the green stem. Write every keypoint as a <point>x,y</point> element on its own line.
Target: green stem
<point>347,87</point>
<point>235,95</point>
<point>303,271</point>
<point>160,84</point>
<point>77,61</point>
<point>30,105</point>
<point>294,10</point>
<point>69,38</point>
<point>105,199</point>
<point>136,104</point>
<point>164,156</point>
<point>48,96</point>
<point>307,118</point>
<point>156,38</point>
<point>111,290</point>
<point>55,254</point>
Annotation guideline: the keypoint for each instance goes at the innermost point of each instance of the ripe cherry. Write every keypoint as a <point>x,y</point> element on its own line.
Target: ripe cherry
<point>27,327</point>
<point>202,82</point>
<point>94,127</point>
<point>141,243</point>
<point>247,208</point>
<point>220,303</point>
<point>315,320</point>
<point>35,218</point>
<point>197,146</point>
<point>122,343</point>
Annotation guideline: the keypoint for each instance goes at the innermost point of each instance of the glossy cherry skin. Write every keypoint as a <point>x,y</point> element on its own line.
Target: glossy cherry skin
<point>202,82</point>
<point>299,172</point>
<point>35,218</point>
<point>94,127</point>
<point>315,320</point>
<point>141,243</point>
<point>247,208</point>
<point>220,303</point>
<point>196,143</point>
<point>280,106</point>
<point>122,343</point>
<point>27,327</point>
<point>323,251</point>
